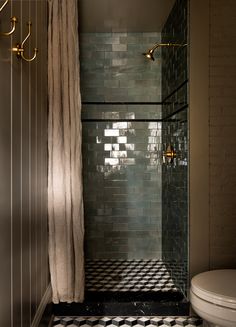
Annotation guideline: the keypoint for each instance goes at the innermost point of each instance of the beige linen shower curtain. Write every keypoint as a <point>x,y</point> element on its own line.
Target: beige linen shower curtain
<point>65,203</point>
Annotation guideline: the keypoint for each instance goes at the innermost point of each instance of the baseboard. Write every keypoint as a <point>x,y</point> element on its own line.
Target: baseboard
<point>43,307</point>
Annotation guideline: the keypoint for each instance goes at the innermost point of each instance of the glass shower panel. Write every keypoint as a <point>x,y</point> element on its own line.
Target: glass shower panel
<point>122,189</point>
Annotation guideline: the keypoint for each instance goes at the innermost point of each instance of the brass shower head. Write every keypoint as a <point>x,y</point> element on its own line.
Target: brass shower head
<point>150,52</point>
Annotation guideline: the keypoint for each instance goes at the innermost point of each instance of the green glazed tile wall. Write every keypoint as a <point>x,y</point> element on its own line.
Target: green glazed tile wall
<point>174,59</point>
<point>122,189</point>
<point>121,159</point>
<point>122,111</point>
<point>175,133</point>
<point>114,69</point>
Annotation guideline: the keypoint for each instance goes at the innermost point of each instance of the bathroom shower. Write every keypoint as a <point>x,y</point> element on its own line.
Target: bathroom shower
<point>135,162</point>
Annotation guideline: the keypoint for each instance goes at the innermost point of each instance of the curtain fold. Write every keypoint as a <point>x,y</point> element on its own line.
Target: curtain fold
<point>65,202</point>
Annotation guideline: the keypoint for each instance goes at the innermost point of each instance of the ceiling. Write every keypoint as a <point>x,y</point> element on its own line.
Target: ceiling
<point>123,15</point>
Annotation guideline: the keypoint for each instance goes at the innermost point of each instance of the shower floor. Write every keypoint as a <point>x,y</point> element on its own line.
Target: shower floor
<point>130,288</point>
<point>128,276</point>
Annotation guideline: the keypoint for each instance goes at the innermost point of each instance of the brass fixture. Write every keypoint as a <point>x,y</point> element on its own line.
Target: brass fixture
<point>170,153</point>
<point>19,48</point>
<point>150,52</point>
<point>13,21</point>
<point>4,5</point>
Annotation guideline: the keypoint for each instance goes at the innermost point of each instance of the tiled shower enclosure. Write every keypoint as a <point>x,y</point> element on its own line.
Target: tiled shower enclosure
<point>131,112</point>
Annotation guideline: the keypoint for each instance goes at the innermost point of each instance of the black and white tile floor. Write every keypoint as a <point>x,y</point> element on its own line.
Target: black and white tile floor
<point>125,276</point>
<point>128,275</point>
<point>127,321</point>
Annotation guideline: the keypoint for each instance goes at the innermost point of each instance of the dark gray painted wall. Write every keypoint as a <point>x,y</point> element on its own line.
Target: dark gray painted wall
<point>123,15</point>
<point>23,168</point>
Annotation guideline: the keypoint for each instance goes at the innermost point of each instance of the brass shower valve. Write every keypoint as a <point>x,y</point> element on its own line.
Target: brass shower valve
<point>170,153</point>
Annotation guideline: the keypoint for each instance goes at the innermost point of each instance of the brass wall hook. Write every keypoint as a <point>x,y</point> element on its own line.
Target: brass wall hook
<point>4,5</point>
<point>13,21</point>
<point>19,48</point>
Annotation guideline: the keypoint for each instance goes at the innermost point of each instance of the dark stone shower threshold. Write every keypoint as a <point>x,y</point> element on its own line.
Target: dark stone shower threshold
<point>126,304</point>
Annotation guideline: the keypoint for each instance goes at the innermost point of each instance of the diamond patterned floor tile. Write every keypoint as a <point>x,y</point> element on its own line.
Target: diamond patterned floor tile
<point>122,275</point>
<point>127,321</point>
<point>118,321</point>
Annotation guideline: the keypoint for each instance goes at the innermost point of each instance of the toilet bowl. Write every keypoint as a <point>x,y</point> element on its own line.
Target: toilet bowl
<point>213,297</point>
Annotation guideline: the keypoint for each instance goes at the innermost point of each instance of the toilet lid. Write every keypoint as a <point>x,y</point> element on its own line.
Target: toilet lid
<point>216,286</point>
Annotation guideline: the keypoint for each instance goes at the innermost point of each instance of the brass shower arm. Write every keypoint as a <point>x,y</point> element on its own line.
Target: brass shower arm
<point>149,53</point>
<point>166,45</point>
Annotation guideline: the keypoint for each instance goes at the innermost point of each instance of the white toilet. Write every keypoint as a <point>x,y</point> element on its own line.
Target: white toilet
<point>213,297</point>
